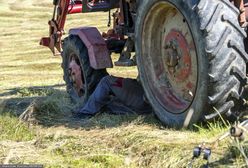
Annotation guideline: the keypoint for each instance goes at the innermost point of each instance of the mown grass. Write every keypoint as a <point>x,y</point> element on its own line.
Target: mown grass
<point>31,83</point>
<point>13,129</point>
<point>103,141</point>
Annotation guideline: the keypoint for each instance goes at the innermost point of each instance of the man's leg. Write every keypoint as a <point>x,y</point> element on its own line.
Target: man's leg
<point>100,97</point>
<point>117,107</point>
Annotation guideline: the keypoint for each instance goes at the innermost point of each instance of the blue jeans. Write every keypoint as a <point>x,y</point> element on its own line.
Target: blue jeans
<point>117,94</point>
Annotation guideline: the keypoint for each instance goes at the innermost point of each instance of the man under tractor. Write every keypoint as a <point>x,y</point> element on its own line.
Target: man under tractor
<point>119,95</point>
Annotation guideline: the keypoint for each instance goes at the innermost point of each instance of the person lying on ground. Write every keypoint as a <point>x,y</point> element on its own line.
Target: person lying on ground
<point>117,95</point>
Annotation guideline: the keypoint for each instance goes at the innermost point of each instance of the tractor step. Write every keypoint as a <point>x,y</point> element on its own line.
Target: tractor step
<point>126,54</point>
<point>126,63</point>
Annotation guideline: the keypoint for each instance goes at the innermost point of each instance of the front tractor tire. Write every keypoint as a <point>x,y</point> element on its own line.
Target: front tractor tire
<point>80,78</point>
<point>191,58</point>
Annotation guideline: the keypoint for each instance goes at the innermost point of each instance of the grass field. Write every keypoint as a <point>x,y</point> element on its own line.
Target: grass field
<point>31,81</point>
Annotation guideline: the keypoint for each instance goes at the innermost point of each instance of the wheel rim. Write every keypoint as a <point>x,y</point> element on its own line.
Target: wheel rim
<point>76,75</point>
<point>169,58</point>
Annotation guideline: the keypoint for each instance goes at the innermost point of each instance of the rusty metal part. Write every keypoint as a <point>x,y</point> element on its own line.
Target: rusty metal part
<point>170,58</point>
<point>57,23</point>
<point>242,5</point>
<point>76,75</point>
<point>56,27</point>
<point>118,20</point>
<point>179,55</point>
<point>125,56</point>
<point>118,24</point>
<point>99,55</point>
<point>246,10</point>
<point>113,33</point>
<point>242,17</point>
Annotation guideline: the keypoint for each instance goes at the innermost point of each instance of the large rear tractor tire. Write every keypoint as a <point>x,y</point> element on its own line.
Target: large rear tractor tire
<point>191,58</point>
<point>80,78</point>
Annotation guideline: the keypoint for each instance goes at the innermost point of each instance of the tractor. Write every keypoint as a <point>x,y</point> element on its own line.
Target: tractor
<point>191,55</point>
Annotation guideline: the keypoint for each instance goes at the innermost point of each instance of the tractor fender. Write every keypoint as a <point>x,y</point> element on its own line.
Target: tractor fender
<point>98,52</point>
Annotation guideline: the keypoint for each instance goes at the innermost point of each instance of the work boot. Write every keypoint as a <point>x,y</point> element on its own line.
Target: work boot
<point>76,113</point>
<point>81,116</point>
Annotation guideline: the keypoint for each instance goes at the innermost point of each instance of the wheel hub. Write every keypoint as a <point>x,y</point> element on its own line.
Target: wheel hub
<point>177,56</point>
<point>169,58</point>
<point>172,57</point>
<point>75,73</point>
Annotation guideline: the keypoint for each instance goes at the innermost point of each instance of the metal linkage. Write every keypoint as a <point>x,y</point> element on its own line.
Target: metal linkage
<point>56,25</point>
<point>197,151</point>
<point>237,132</point>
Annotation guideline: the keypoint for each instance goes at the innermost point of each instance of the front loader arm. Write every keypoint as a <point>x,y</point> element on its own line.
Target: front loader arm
<point>56,24</point>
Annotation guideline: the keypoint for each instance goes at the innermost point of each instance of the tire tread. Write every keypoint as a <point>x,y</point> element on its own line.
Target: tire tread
<point>227,72</point>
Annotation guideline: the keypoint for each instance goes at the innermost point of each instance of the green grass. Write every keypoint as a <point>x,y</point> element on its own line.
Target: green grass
<point>13,129</point>
<point>31,82</point>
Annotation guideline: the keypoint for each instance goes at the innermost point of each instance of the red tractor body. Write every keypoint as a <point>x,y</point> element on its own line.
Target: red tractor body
<point>191,55</point>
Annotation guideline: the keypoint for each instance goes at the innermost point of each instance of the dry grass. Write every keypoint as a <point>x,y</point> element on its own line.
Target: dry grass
<point>31,81</point>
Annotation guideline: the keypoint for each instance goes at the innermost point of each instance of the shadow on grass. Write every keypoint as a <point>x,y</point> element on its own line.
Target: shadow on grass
<point>51,106</point>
